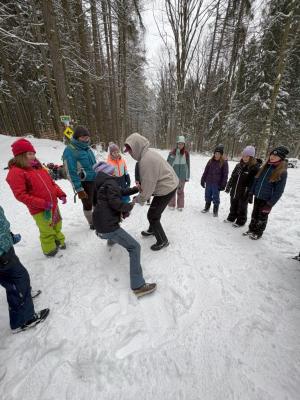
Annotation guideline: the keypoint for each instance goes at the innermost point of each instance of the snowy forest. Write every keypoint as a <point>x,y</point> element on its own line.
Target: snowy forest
<point>227,75</point>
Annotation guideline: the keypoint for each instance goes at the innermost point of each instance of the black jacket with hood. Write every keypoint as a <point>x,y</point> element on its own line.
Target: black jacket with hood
<point>108,203</point>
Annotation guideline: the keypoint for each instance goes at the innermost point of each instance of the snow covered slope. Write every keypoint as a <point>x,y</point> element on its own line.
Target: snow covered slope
<point>223,324</point>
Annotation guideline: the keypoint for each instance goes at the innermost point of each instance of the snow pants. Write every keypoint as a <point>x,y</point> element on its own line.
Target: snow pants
<point>259,219</point>
<point>238,211</point>
<point>212,194</point>
<point>157,207</point>
<point>180,196</point>
<point>50,236</point>
<point>134,249</point>
<point>15,279</point>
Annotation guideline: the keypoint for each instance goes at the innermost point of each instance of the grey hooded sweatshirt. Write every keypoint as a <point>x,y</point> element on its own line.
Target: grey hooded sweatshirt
<point>157,177</point>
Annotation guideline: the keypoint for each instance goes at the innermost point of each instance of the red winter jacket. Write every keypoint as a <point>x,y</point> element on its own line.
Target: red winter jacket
<point>34,187</point>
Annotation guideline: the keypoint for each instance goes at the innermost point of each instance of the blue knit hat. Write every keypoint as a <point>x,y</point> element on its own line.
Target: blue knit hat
<point>102,166</point>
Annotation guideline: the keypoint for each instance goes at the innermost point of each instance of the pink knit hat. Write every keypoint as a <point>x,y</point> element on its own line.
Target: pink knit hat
<point>248,151</point>
<point>113,147</point>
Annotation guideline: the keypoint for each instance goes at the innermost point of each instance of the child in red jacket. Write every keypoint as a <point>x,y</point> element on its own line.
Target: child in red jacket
<point>32,185</point>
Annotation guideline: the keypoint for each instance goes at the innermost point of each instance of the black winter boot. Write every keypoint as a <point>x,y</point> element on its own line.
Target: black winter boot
<point>215,210</point>
<point>207,207</point>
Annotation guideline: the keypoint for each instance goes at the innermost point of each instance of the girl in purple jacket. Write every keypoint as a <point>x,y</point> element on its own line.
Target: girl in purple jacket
<point>214,179</point>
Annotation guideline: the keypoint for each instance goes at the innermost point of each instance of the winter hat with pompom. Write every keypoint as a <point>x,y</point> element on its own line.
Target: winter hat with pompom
<point>21,146</point>
<point>104,167</point>
<point>280,151</point>
<point>249,151</point>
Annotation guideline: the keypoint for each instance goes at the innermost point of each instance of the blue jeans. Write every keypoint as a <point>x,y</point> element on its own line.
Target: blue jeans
<point>212,194</point>
<point>134,249</point>
<point>15,279</point>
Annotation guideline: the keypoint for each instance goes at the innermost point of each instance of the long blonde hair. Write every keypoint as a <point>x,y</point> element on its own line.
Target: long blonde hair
<point>20,161</point>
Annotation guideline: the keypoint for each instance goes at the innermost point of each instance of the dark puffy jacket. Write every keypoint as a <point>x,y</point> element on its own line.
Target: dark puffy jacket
<point>108,203</point>
<point>263,189</point>
<point>241,180</point>
<point>215,173</point>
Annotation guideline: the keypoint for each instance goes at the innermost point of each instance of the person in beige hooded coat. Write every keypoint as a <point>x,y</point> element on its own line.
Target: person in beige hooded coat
<point>157,178</point>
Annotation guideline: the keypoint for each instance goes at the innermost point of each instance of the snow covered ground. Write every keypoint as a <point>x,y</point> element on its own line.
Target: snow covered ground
<point>223,324</point>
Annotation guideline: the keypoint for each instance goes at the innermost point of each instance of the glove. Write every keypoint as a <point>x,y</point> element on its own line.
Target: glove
<point>48,205</point>
<point>203,184</point>
<point>250,198</point>
<point>227,190</point>
<point>125,214</point>
<point>16,238</point>
<point>221,188</point>
<point>82,195</point>
<point>266,209</point>
<point>63,199</point>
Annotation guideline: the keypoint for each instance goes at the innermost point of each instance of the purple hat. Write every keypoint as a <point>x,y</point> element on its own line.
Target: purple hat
<point>102,166</point>
<point>248,151</point>
<point>113,147</point>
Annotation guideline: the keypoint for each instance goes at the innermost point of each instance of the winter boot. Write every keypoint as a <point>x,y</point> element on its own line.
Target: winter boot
<point>158,246</point>
<point>60,246</point>
<point>37,318</point>
<point>296,257</point>
<point>247,233</point>
<point>215,210</point>
<point>52,253</point>
<point>147,288</point>
<point>147,233</point>
<point>207,207</point>
<point>254,236</point>
<point>89,217</point>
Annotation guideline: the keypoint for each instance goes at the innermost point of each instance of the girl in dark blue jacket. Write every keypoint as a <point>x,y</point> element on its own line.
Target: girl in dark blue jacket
<point>267,189</point>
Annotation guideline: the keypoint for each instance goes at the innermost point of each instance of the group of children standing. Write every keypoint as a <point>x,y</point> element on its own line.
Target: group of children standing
<point>105,187</point>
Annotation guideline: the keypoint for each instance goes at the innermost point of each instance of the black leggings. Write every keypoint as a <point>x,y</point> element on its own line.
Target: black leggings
<point>157,207</point>
<point>88,187</point>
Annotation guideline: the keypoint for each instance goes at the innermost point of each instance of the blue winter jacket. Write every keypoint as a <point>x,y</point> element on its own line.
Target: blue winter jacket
<point>79,159</point>
<point>263,189</point>
<point>5,236</point>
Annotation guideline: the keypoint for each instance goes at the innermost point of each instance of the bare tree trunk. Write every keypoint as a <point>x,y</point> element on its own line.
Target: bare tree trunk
<point>55,55</point>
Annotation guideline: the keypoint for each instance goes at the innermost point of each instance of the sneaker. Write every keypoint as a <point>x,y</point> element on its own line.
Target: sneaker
<point>171,208</point>
<point>52,253</point>
<point>147,288</point>
<point>147,233</point>
<point>158,246</point>
<point>37,318</point>
<point>180,209</point>
<point>35,293</point>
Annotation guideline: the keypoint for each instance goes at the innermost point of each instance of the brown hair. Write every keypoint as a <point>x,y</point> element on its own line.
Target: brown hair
<point>20,161</point>
<point>222,159</point>
<point>252,161</point>
<point>276,174</point>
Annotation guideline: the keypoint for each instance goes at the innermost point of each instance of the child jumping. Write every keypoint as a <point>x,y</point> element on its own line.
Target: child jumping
<point>32,185</point>
<point>214,179</point>
<point>267,189</point>
<point>239,186</point>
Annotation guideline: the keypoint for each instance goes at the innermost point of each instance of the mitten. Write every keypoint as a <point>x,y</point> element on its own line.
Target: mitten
<point>227,190</point>
<point>82,195</point>
<point>16,238</point>
<point>63,199</point>
<point>250,198</point>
